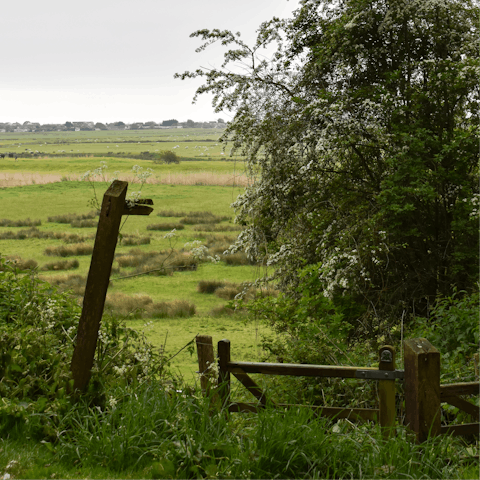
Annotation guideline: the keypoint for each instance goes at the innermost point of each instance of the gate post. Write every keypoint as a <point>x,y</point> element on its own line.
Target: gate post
<point>422,388</point>
<point>386,391</point>
<point>206,361</point>
<point>223,373</point>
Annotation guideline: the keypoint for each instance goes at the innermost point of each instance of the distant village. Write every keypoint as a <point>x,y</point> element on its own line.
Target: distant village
<point>92,126</point>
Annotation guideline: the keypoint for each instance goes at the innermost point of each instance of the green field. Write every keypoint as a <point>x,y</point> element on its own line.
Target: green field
<point>40,201</point>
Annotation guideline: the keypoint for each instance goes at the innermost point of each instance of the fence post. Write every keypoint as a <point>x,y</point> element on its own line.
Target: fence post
<point>223,373</point>
<point>206,362</point>
<point>113,206</point>
<point>422,387</point>
<point>386,391</point>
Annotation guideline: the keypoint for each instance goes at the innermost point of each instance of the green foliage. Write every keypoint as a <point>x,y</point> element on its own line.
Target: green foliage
<point>168,157</point>
<point>37,335</point>
<point>360,136</point>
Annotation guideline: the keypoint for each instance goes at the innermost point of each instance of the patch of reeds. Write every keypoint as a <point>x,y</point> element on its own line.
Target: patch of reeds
<point>127,305</point>
<point>4,222</point>
<point>203,218</point>
<point>20,263</point>
<point>229,291</point>
<point>61,265</point>
<point>209,286</point>
<point>216,228</point>
<point>72,217</point>
<point>130,240</point>
<point>74,283</point>
<point>175,309</point>
<point>142,306</point>
<point>156,263</point>
<point>83,223</point>
<point>166,227</point>
<point>34,232</point>
<point>239,258</point>
<point>222,311</point>
<point>171,213</point>
<point>69,250</point>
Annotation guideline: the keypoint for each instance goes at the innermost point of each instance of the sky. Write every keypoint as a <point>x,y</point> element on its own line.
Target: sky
<point>114,60</point>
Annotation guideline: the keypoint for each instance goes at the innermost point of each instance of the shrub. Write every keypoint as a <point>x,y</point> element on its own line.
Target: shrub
<point>37,336</point>
<point>168,156</point>
<point>61,265</point>
<point>70,250</point>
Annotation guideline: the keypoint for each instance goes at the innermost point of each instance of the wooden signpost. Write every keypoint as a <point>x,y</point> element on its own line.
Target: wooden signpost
<point>113,207</point>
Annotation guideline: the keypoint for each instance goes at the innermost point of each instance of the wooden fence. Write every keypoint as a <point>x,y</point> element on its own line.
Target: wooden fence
<point>423,391</point>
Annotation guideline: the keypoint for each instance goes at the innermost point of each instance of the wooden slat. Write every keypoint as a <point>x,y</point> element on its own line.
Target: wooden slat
<point>137,210</point>
<point>294,369</point>
<point>464,429</point>
<point>370,414</point>
<point>462,404</point>
<point>252,387</point>
<point>467,388</point>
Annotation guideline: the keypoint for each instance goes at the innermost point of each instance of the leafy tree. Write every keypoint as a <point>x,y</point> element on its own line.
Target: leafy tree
<point>169,157</point>
<point>361,133</point>
<point>190,124</point>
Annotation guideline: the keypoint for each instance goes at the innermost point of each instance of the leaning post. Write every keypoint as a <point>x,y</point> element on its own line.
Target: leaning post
<point>113,207</point>
<point>422,388</point>
<point>386,391</point>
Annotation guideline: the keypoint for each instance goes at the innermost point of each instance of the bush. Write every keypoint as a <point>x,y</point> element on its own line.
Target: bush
<point>37,336</point>
<point>168,156</point>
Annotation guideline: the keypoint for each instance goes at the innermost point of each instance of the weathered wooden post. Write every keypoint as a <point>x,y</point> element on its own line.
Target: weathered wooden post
<point>422,387</point>
<point>206,362</point>
<point>113,207</point>
<point>386,391</point>
<point>223,373</point>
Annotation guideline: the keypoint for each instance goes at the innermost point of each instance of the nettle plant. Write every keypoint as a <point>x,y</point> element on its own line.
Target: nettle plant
<point>38,326</point>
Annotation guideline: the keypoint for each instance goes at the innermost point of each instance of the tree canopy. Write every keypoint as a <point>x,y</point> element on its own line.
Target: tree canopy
<point>360,131</point>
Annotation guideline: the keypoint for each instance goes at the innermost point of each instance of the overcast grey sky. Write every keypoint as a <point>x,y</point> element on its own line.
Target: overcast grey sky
<point>111,60</point>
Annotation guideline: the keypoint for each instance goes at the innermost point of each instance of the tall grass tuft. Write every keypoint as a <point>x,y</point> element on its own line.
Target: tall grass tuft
<point>131,240</point>
<point>61,265</point>
<point>19,263</point>
<point>83,223</point>
<point>4,222</point>
<point>72,217</point>
<point>171,213</point>
<point>209,286</point>
<point>69,250</point>
<point>74,283</point>
<point>165,227</point>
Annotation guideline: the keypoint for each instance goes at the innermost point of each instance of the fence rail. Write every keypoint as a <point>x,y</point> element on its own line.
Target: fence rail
<point>422,389</point>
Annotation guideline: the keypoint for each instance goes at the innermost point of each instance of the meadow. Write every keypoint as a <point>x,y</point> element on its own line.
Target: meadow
<point>52,226</point>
